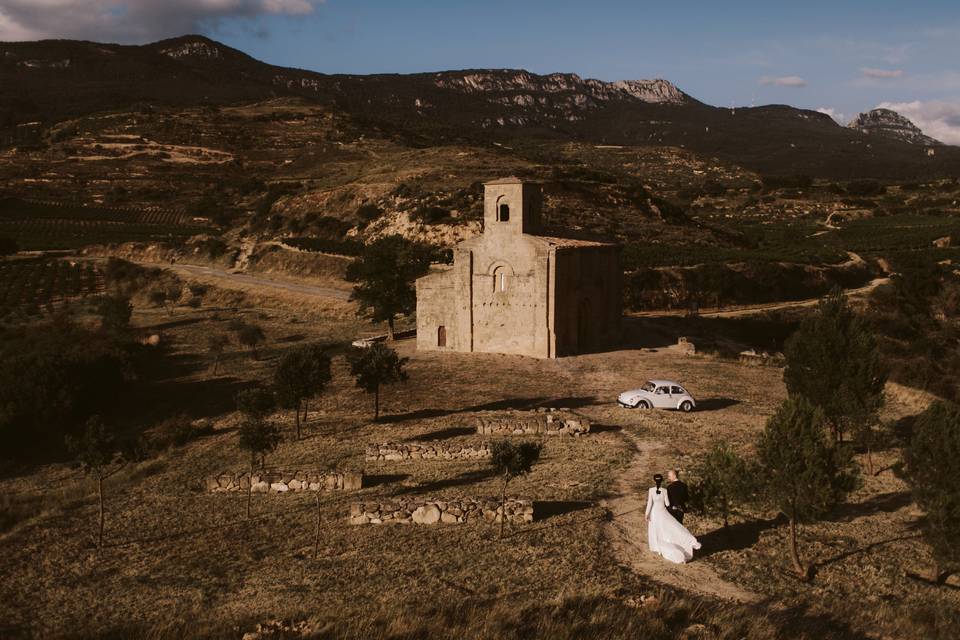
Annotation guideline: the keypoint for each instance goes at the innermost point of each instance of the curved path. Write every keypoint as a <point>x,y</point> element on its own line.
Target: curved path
<point>760,308</point>
<point>237,280</point>
<point>627,532</point>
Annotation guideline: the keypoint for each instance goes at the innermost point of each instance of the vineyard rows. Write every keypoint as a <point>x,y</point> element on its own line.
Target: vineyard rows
<point>58,233</point>
<point>36,209</point>
<point>38,284</point>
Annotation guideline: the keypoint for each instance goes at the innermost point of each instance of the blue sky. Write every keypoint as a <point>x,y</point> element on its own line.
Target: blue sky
<point>841,56</point>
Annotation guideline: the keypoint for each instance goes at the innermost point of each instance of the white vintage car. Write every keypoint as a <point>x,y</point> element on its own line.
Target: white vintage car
<point>659,394</point>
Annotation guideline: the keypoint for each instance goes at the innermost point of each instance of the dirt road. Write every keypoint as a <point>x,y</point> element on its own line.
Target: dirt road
<point>627,531</point>
<point>762,308</point>
<point>240,280</point>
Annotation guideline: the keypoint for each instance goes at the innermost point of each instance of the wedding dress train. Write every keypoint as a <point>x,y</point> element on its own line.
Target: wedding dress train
<point>665,535</point>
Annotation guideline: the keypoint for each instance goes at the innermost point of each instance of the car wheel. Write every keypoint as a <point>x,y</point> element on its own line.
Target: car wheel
<point>642,404</point>
<point>686,406</point>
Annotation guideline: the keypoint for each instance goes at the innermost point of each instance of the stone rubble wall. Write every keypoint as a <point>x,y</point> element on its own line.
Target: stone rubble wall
<point>283,481</point>
<point>434,511</point>
<point>751,358</point>
<point>425,451</point>
<point>542,421</point>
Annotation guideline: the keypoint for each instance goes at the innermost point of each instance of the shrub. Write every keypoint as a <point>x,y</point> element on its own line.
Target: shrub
<point>933,467</point>
<point>430,214</point>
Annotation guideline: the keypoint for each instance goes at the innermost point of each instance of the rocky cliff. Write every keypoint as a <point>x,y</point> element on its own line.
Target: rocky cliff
<point>890,124</point>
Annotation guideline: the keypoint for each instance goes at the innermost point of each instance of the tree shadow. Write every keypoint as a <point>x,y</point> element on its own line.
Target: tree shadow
<point>170,324</point>
<point>865,548</point>
<point>715,404</point>
<point>741,535</point>
<point>442,434</point>
<point>791,620</point>
<point>467,478</point>
<point>605,428</point>
<point>546,509</point>
<point>382,479</point>
<point>884,502</point>
<point>496,405</point>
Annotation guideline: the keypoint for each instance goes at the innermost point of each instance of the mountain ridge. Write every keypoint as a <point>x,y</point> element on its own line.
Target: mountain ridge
<point>509,106</point>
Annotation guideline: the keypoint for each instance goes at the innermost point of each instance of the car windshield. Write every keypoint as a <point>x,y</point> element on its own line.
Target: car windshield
<point>648,386</point>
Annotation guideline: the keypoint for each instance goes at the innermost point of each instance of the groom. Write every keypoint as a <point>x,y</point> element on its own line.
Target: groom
<point>677,492</point>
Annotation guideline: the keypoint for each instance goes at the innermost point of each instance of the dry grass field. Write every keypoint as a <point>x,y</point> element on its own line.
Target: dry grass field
<point>180,562</point>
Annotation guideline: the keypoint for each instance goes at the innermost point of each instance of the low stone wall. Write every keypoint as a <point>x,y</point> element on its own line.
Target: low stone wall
<point>542,421</point>
<point>434,511</point>
<point>425,451</point>
<point>283,481</point>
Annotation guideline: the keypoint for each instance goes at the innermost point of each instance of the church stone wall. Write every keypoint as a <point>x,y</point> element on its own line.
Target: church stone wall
<point>513,291</point>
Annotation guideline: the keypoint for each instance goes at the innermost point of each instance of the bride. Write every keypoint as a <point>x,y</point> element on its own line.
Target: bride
<point>665,535</point>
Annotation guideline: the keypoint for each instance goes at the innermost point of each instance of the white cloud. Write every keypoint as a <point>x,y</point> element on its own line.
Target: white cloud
<point>938,119</point>
<point>885,74</point>
<point>131,20</point>
<point>833,113</point>
<point>784,81</point>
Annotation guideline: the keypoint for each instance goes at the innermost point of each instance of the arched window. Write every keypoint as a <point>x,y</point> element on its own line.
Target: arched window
<point>441,336</point>
<point>503,213</point>
<point>499,280</point>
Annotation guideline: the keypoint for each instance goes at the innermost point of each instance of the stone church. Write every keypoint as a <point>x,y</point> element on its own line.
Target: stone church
<point>516,289</point>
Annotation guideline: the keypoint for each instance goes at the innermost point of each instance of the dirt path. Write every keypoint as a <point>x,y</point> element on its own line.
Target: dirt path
<point>627,532</point>
<point>230,280</point>
<point>760,308</point>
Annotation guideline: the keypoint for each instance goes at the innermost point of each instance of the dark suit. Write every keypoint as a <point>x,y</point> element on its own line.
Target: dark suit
<point>678,494</point>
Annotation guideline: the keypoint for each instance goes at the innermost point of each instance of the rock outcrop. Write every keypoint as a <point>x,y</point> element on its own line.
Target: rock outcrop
<point>888,123</point>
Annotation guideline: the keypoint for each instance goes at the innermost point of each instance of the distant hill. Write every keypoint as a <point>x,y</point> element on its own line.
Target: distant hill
<point>890,124</point>
<point>51,80</point>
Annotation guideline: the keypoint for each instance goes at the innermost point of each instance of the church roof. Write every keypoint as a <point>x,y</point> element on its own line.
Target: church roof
<point>562,242</point>
<point>508,180</point>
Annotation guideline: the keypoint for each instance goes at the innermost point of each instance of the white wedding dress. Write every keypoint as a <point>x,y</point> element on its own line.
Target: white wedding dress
<point>665,535</point>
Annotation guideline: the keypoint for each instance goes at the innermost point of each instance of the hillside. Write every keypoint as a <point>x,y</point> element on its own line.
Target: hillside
<point>425,109</point>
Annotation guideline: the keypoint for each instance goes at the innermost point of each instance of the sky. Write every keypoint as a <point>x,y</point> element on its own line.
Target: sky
<point>841,57</point>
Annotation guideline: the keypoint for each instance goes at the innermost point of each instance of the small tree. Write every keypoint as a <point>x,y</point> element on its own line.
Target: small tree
<point>725,479</point>
<point>833,362</point>
<point>385,273</point>
<point>933,467</point>
<point>115,312</point>
<point>803,475</point>
<point>301,374</point>
<point>374,366</point>
<point>250,335</point>
<point>216,344</point>
<point>164,294</point>
<point>511,460</point>
<point>97,452</point>
<point>255,403</point>
<point>258,437</point>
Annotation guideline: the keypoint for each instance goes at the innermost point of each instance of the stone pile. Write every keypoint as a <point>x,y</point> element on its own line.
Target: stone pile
<point>425,451</point>
<point>549,422</point>
<point>751,358</point>
<point>445,511</point>
<point>686,347</point>
<point>283,481</point>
